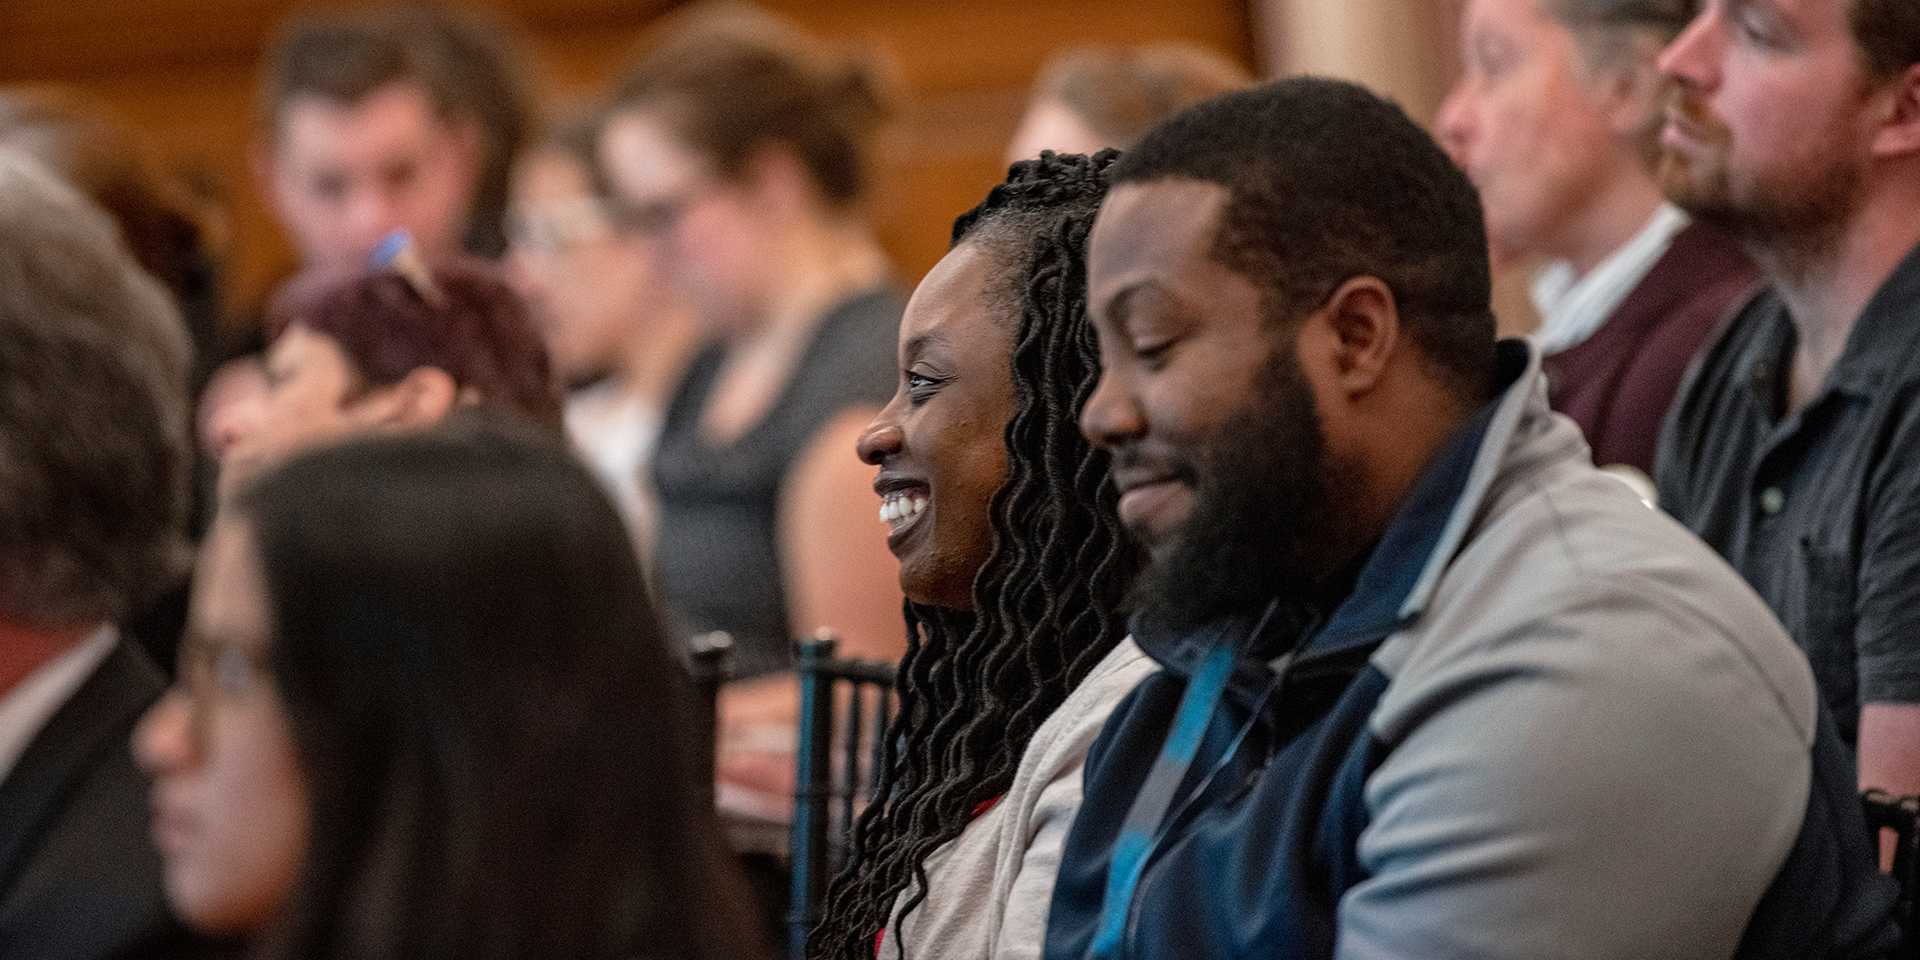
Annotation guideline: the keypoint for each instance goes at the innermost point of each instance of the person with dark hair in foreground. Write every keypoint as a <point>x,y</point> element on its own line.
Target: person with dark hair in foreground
<point>377,350</point>
<point>1795,450</point>
<point>1432,685</point>
<point>1015,568</point>
<point>426,710</point>
<point>94,468</point>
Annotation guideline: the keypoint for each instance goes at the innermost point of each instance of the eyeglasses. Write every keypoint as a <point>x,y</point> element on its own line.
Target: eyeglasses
<point>226,669</point>
<point>559,227</point>
<point>657,215</point>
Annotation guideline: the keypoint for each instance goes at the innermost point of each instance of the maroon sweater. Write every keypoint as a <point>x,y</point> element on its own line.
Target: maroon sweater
<point>1619,383</point>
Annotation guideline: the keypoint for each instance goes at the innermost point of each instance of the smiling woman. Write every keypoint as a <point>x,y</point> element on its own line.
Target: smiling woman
<point>1016,569</point>
<point>955,398</point>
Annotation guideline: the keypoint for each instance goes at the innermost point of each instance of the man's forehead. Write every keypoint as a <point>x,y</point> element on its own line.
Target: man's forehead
<point>398,111</point>
<point>1151,229</point>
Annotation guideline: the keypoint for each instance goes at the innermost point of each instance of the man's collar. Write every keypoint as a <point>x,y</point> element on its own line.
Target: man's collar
<point>1884,336</point>
<point>1401,573</point>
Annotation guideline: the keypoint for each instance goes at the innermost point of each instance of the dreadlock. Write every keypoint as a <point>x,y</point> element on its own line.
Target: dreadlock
<point>1047,603</point>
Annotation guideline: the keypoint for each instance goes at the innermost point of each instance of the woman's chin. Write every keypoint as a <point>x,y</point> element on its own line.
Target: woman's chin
<point>952,596</point>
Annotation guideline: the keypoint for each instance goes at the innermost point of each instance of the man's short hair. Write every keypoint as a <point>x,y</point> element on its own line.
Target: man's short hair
<point>1888,33</point>
<point>478,332</point>
<point>1328,182</point>
<point>1607,30</point>
<point>94,459</point>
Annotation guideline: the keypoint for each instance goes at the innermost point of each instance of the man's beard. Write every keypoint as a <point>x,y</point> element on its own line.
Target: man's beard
<point>1782,220</point>
<point>1263,528</point>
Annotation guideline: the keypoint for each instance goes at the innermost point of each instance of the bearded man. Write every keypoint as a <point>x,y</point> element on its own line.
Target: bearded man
<point>1432,685</point>
<point>1795,451</point>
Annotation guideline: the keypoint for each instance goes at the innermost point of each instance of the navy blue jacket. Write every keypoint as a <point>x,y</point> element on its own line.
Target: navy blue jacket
<point>1546,723</point>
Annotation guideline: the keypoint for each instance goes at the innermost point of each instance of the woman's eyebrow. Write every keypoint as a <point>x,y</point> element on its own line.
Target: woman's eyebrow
<point>918,343</point>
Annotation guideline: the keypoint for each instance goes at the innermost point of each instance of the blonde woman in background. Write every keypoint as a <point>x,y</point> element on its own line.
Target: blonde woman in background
<point>1089,98</point>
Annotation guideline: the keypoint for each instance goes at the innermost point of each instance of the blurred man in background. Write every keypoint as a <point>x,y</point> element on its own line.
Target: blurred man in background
<point>94,469</point>
<point>387,119</point>
<point>1556,120</point>
<point>1795,450</point>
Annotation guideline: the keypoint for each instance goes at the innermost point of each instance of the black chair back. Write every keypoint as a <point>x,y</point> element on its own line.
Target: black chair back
<point>710,661</point>
<point>1902,816</point>
<point>829,786</point>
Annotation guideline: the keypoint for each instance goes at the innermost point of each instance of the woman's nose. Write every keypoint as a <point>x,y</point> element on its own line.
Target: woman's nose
<point>163,740</point>
<point>881,440</point>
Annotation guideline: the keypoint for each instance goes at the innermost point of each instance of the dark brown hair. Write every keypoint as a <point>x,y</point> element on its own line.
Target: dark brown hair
<point>1122,92</point>
<point>1888,32</point>
<point>730,79</point>
<point>575,135</point>
<point>493,726</point>
<point>479,332</point>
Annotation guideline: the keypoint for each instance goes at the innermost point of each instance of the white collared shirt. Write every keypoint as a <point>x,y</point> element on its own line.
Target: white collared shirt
<point>32,702</point>
<point>1573,307</point>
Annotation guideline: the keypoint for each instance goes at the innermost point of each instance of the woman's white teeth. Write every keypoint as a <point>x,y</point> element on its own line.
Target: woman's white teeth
<point>900,508</point>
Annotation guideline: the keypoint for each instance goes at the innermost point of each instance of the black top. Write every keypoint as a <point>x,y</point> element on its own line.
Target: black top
<point>79,876</point>
<point>1820,511</point>
<point>716,559</point>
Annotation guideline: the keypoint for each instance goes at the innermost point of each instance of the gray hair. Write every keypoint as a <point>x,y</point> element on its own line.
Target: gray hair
<point>94,456</point>
<point>1610,30</point>
<point>1627,35</point>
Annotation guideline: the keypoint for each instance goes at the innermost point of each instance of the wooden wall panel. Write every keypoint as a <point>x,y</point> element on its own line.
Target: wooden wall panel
<point>1407,49</point>
<point>184,71</point>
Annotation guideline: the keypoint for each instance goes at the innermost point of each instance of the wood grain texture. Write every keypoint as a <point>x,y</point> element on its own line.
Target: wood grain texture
<point>184,72</point>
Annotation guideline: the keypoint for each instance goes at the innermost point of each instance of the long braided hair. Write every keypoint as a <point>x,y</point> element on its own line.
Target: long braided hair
<point>1047,603</point>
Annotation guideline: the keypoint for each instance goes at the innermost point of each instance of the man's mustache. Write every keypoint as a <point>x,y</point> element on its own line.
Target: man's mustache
<point>1136,461</point>
<point>1696,118</point>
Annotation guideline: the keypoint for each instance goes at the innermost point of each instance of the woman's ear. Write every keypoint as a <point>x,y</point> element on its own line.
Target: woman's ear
<point>422,398</point>
<point>1630,90</point>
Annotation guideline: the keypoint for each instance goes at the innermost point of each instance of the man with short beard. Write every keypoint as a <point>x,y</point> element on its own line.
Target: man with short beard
<point>1795,451</point>
<point>1432,685</point>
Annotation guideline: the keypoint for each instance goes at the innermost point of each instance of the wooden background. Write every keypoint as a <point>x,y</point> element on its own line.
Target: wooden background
<point>184,72</point>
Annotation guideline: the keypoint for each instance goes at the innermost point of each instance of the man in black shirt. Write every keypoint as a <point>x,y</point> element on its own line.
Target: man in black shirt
<point>1795,448</point>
